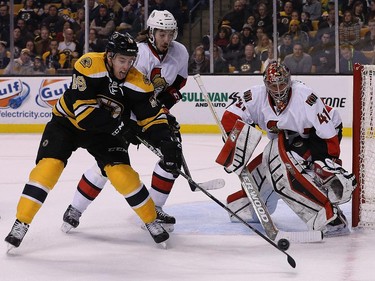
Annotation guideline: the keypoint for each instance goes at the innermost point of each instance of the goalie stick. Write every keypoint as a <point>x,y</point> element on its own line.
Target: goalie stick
<point>290,260</point>
<point>247,182</point>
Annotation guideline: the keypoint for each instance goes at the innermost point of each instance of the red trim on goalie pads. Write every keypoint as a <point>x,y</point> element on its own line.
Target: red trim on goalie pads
<point>228,120</point>
<point>318,197</point>
<point>333,146</point>
<point>161,184</point>
<point>88,189</point>
<point>250,167</point>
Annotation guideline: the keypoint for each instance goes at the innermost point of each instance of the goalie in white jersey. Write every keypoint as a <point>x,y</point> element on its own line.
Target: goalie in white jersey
<point>165,62</point>
<point>301,162</point>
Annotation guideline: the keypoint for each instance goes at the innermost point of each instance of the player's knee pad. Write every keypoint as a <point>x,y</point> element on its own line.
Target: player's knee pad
<point>47,172</point>
<point>338,183</point>
<point>123,178</point>
<point>296,187</point>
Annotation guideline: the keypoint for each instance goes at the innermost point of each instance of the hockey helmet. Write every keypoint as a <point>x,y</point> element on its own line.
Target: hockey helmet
<point>277,80</point>
<point>123,44</point>
<point>163,20</point>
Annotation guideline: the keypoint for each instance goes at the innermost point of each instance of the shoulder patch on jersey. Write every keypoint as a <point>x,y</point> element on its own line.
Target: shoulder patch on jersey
<point>86,62</point>
<point>248,95</point>
<point>311,99</point>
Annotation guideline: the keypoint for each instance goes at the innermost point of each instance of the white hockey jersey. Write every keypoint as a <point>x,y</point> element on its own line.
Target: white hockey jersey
<point>305,111</point>
<point>171,70</point>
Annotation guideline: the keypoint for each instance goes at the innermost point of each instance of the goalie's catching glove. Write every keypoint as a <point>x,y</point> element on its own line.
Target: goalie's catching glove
<point>338,182</point>
<point>172,156</point>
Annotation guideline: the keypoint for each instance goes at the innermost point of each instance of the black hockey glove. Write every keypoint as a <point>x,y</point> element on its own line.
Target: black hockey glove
<point>127,130</point>
<point>172,156</point>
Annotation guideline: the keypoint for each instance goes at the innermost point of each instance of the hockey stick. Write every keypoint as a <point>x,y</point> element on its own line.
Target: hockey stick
<point>252,193</point>
<point>290,260</point>
<point>208,185</point>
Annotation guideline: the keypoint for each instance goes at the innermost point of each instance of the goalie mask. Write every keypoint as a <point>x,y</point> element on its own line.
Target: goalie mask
<point>277,81</point>
<point>162,20</point>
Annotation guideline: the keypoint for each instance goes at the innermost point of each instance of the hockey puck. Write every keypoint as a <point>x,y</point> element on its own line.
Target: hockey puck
<point>283,244</point>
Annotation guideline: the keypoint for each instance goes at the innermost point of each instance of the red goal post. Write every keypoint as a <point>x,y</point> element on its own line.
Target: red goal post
<point>363,202</point>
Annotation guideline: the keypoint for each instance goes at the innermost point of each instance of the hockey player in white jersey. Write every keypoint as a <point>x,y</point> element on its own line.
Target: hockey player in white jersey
<point>301,162</point>
<point>165,62</point>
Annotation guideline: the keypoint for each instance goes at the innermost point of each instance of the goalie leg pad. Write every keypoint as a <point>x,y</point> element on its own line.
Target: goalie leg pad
<point>238,148</point>
<point>239,203</point>
<point>297,187</point>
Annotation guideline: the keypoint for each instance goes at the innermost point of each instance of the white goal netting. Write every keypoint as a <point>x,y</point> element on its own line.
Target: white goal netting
<point>366,160</point>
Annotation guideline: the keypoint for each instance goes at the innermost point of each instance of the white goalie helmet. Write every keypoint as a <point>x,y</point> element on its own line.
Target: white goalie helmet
<point>163,20</point>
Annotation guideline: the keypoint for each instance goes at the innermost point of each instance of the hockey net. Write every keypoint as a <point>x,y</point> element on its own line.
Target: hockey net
<point>363,207</point>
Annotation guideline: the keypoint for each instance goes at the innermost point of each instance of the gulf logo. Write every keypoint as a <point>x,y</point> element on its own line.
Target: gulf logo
<point>11,89</point>
<point>50,91</point>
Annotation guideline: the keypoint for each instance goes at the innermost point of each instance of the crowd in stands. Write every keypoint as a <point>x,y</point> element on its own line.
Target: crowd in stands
<point>49,34</point>
<point>305,42</point>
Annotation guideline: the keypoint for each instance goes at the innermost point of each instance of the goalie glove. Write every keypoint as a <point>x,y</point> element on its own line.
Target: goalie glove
<point>338,183</point>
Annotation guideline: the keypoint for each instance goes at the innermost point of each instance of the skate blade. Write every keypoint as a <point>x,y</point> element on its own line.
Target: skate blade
<point>169,227</point>
<point>163,245</point>
<point>10,247</point>
<point>66,227</point>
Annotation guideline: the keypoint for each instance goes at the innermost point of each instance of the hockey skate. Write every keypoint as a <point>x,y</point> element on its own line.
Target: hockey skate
<point>70,218</point>
<point>158,233</point>
<point>166,220</point>
<point>338,227</point>
<point>16,235</point>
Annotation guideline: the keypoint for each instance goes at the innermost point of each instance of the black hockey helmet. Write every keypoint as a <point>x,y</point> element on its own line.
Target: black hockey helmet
<point>123,44</point>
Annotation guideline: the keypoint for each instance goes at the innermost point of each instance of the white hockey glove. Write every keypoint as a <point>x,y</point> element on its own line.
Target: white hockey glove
<point>333,178</point>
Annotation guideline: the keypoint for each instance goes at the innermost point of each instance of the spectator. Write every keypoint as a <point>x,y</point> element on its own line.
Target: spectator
<point>102,23</point>
<point>314,8</point>
<point>115,11</point>
<point>248,36</point>
<point>199,63</point>
<point>264,19</point>
<point>67,10</point>
<point>39,68</point>
<point>4,55</point>
<point>350,56</point>
<point>306,23</point>
<point>234,50</point>
<point>298,35</point>
<point>349,30</point>
<point>138,26</point>
<point>237,17</point>
<point>286,46</point>
<point>327,24</point>
<point>221,39</point>
<point>95,44</point>
<point>250,63</point>
<point>22,65</point>
<point>53,21</point>
<point>371,11</point>
<point>262,46</point>
<point>19,42</point>
<point>368,42</point>
<point>29,13</point>
<point>284,18</point>
<point>53,59</point>
<point>323,55</point>
<point>220,64</point>
<point>298,62</point>
<point>93,10</point>
<point>42,41</point>
<point>358,13</point>
<point>131,12</point>
<point>25,33</point>
<point>4,23</point>
<point>270,58</point>
<point>259,34</point>
<point>69,48</point>
<point>31,46</point>
<point>78,25</point>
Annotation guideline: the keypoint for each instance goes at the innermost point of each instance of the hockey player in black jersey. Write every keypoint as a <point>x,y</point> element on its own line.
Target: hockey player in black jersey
<point>94,114</point>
